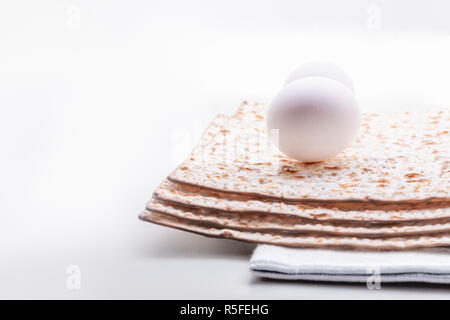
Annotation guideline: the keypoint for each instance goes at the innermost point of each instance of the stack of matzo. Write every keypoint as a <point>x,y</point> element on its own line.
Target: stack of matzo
<point>388,190</point>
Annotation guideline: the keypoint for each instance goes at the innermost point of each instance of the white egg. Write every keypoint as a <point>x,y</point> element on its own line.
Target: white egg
<point>321,69</point>
<point>316,118</point>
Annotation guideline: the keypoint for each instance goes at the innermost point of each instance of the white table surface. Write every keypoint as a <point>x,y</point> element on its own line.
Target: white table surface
<point>101,100</point>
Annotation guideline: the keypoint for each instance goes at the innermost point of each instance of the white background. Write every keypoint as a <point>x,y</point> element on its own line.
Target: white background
<point>99,101</point>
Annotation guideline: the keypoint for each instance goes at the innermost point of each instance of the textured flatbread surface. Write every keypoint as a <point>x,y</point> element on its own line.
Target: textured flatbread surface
<point>214,204</point>
<point>271,223</point>
<point>398,158</point>
<point>401,243</point>
<point>223,202</point>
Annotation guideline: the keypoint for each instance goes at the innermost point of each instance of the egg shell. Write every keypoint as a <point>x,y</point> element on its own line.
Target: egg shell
<point>321,69</point>
<point>316,118</point>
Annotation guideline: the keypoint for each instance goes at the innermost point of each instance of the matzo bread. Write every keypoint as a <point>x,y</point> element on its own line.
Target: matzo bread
<point>271,223</point>
<point>213,128</point>
<point>400,158</point>
<point>402,243</point>
<point>205,199</point>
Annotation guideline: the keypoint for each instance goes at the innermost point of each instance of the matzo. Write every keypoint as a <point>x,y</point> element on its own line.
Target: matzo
<point>219,201</point>
<point>400,158</point>
<point>402,243</point>
<point>271,223</point>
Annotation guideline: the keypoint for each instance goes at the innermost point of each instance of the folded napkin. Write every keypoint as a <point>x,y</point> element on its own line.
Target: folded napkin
<point>424,265</point>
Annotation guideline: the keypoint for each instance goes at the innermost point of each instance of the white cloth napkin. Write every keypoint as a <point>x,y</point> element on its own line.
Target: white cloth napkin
<point>425,265</point>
